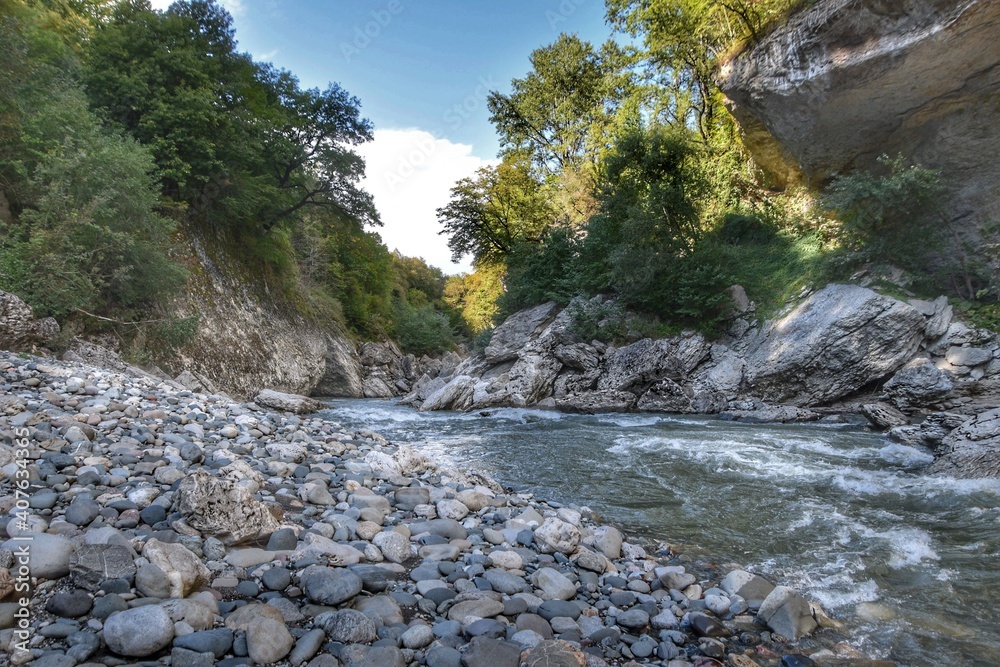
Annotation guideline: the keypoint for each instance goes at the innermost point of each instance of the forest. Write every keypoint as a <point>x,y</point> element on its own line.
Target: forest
<point>128,133</point>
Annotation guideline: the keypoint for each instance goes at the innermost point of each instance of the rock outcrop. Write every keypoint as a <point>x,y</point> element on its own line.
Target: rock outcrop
<point>833,344</point>
<point>249,338</point>
<point>19,329</point>
<point>841,339</point>
<point>845,81</point>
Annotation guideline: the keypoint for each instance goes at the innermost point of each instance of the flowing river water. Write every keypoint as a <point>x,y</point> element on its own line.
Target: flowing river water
<point>910,563</point>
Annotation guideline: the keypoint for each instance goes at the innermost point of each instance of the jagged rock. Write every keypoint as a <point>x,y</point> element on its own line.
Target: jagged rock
<point>455,395</point>
<point>341,370</point>
<point>580,356</point>
<point>883,416</point>
<point>636,366</point>
<point>919,382</point>
<point>19,330</point>
<point>839,340</point>
<point>93,563</point>
<point>287,402</point>
<point>972,450</point>
<point>931,432</point>
<point>518,330</point>
<point>223,509</point>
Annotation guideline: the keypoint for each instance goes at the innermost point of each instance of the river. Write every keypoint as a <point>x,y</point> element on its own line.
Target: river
<point>909,562</point>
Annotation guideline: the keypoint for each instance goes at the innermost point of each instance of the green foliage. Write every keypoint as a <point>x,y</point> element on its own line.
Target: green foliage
<point>893,217</point>
<point>543,272</point>
<point>86,233</point>
<point>559,112</point>
<point>492,213</point>
<point>423,330</point>
<point>474,296</point>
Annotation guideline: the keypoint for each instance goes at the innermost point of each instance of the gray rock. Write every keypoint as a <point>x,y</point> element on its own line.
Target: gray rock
<point>443,656</point>
<point>93,563</point>
<point>182,657</point>
<point>348,626</point>
<point>19,330</point>
<point>287,402</point>
<point>840,339</point>
<point>330,586</point>
<point>185,571</point>
<point>307,646</point>
<point>634,619</point>
<point>751,587</point>
<point>393,546</point>
<point>482,608</point>
<point>553,584</point>
<point>73,604</point>
<point>506,583</point>
<point>139,632</point>
<point>510,338</point>
<point>417,637</point>
<point>787,613</point>
<point>486,652</point>
<point>882,415</point>
<point>218,641</point>
<point>918,383</point>
<point>972,450</point>
<point>49,555</point>
<point>152,582</point>
<point>384,656</point>
<point>968,356</point>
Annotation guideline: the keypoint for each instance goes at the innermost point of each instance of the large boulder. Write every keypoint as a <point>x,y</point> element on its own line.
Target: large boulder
<point>836,342</point>
<point>223,509</point>
<point>972,450</point>
<point>518,330</point>
<point>636,366</point>
<point>845,81</point>
<point>19,330</point>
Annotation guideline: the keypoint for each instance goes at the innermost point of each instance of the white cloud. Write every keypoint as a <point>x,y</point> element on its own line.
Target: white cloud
<point>410,175</point>
<point>235,7</point>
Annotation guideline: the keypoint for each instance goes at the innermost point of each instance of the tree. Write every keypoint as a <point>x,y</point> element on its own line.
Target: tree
<point>648,218</point>
<point>307,150</point>
<point>556,114</point>
<point>685,40</point>
<point>893,216</point>
<point>491,213</point>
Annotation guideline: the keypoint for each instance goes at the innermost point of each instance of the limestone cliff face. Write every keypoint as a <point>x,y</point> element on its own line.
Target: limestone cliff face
<point>248,340</point>
<point>846,81</point>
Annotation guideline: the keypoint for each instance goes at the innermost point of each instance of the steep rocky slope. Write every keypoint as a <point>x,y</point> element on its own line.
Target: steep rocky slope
<point>846,81</point>
<point>248,339</point>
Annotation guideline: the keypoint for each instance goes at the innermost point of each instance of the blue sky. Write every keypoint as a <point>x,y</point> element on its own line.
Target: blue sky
<point>422,70</point>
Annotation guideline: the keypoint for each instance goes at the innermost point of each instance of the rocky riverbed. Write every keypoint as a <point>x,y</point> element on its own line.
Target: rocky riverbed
<point>152,525</point>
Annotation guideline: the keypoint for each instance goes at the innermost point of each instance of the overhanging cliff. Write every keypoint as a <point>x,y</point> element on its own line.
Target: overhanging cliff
<point>845,81</point>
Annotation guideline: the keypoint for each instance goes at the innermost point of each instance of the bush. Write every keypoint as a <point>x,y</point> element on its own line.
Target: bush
<point>891,217</point>
<point>423,330</point>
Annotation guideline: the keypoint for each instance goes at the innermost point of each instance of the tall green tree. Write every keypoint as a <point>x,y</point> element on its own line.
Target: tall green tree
<point>490,214</point>
<point>558,113</point>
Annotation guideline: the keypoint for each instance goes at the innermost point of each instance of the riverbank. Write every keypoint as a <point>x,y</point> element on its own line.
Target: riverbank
<point>167,524</point>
